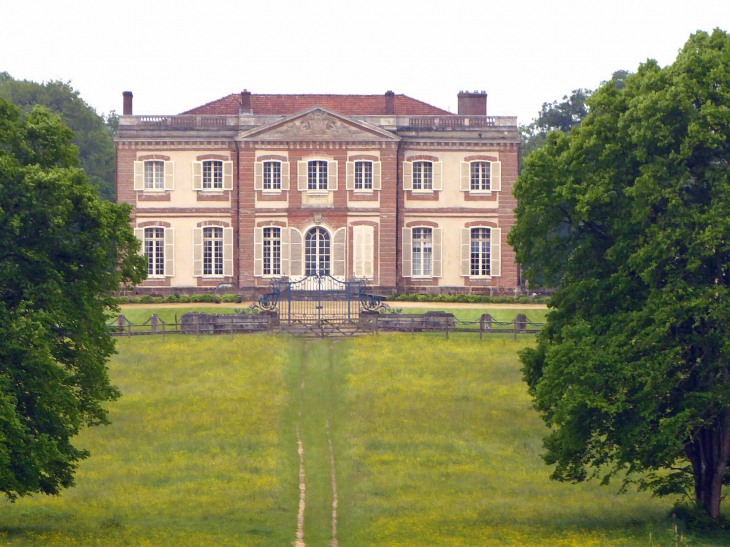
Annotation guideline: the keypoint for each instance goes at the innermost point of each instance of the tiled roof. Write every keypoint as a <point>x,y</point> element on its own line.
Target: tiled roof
<point>352,105</point>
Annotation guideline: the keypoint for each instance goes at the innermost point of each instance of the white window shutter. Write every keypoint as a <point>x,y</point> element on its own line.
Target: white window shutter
<point>285,176</point>
<point>339,253</point>
<point>407,176</point>
<point>197,252</point>
<point>332,175</point>
<point>377,169</point>
<point>258,252</point>
<point>285,250</point>
<point>495,177</point>
<point>258,175</point>
<point>437,175</point>
<point>227,176</point>
<point>437,251</point>
<point>465,252</point>
<point>302,178</point>
<point>357,251</point>
<point>139,175</point>
<point>367,251</point>
<point>139,234</point>
<point>295,252</point>
<point>350,175</point>
<point>495,252</point>
<point>228,252</point>
<point>407,251</point>
<point>169,252</point>
<point>197,175</point>
<point>169,175</point>
<point>465,176</point>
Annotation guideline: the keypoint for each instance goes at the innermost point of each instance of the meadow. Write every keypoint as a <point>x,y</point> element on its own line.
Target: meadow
<point>434,444</point>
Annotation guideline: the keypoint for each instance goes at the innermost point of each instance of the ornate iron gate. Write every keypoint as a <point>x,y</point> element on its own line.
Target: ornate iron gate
<point>318,298</point>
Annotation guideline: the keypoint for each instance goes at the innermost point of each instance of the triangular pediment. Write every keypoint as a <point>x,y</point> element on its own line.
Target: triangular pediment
<point>317,124</point>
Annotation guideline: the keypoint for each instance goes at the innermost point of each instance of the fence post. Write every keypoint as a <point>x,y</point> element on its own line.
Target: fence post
<point>231,322</point>
<point>129,329</point>
<point>176,322</point>
<point>481,327</point>
<point>198,316</point>
<point>515,327</point>
<point>413,325</point>
<point>163,330</point>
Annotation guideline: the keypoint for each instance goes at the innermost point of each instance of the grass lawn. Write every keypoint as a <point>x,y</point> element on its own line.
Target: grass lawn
<point>434,444</point>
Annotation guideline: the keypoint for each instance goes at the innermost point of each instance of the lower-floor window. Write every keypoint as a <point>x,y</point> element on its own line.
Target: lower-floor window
<point>422,251</point>
<point>317,252</point>
<point>480,251</point>
<point>212,251</point>
<point>272,251</point>
<point>154,249</point>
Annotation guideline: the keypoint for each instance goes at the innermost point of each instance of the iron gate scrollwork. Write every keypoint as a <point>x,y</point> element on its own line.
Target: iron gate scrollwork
<point>319,297</point>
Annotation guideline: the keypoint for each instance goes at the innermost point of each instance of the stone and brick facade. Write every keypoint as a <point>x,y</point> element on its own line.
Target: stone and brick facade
<point>384,188</point>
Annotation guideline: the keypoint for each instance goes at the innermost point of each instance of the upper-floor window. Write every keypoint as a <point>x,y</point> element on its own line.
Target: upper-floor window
<point>272,251</point>
<point>363,175</point>
<point>422,251</point>
<point>212,175</point>
<point>272,175</point>
<point>212,251</point>
<point>154,175</point>
<point>154,250</point>
<point>422,175</point>
<point>480,251</point>
<point>317,175</point>
<point>480,175</point>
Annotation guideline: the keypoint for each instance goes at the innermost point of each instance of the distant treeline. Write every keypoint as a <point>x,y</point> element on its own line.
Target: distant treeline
<point>93,133</point>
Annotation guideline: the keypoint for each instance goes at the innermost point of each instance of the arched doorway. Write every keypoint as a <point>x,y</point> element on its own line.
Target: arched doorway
<point>317,252</point>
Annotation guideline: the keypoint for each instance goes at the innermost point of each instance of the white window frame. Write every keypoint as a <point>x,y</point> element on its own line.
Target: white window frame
<point>162,254</point>
<point>481,180</point>
<point>481,254</point>
<point>420,164</point>
<point>364,190</point>
<point>413,251</point>
<point>154,188</point>
<point>263,176</point>
<point>214,230</point>
<point>212,182</point>
<point>270,240</point>
<point>319,190</point>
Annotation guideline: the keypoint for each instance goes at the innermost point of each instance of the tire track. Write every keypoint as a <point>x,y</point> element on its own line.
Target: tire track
<point>334,542</point>
<point>299,541</point>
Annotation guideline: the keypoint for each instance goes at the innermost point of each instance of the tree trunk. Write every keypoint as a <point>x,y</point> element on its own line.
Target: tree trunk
<point>708,452</point>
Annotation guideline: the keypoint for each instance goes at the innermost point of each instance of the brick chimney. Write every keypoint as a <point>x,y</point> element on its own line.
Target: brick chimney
<point>127,108</point>
<point>245,106</point>
<point>390,102</point>
<point>472,103</point>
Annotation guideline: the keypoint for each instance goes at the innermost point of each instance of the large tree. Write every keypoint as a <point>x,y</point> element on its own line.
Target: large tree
<point>629,215</point>
<point>93,133</point>
<point>63,251</point>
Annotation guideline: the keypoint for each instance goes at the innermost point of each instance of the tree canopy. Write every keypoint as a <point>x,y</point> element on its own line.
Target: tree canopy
<point>561,115</point>
<point>629,215</point>
<point>93,134</point>
<point>63,252</point>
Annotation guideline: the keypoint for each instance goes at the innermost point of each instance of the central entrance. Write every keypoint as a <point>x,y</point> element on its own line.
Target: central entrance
<point>317,252</point>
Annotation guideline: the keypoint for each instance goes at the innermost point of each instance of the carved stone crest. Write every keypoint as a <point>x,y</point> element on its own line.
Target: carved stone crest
<point>317,125</point>
<point>318,218</point>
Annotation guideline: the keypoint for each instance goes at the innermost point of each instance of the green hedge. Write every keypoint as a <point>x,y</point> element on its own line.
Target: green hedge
<point>467,298</point>
<point>178,299</point>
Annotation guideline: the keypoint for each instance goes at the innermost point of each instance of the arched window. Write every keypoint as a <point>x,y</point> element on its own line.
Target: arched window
<point>317,252</point>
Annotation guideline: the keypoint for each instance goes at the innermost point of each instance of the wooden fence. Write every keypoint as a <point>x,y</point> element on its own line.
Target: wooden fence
<point>431,322</point>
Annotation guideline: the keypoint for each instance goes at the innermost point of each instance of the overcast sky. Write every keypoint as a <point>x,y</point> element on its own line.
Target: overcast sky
<point>177,55</point>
